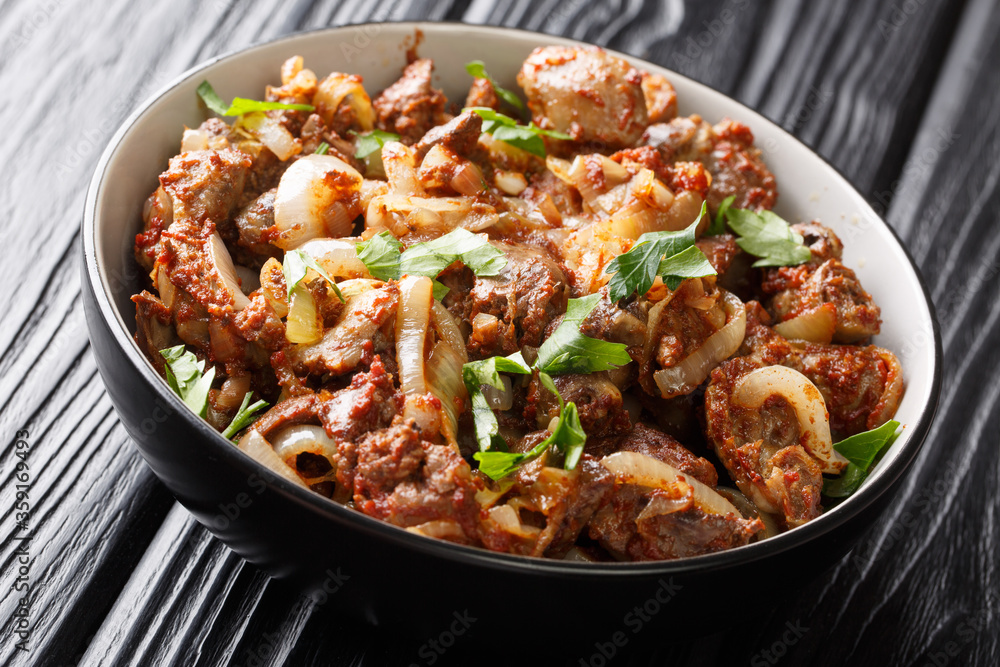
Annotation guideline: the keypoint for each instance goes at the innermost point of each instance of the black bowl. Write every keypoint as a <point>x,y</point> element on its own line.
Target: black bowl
<point>385,575</point>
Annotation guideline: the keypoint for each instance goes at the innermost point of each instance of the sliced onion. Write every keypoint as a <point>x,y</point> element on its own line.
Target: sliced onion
<point>344,88</point>
<point>227,271</point>
<point>304,438</point>
<point>412,323</point>
<point>249,279</point>
<point>468,180</point>
<point>166,289</point>
<point>272,282</point>
<point>560,168</point>
<point>810,409</point>
<point>885,409</point>
<point>254,444</point>
<point>270,132</point>
<point>499,399</point>
<point>442,529</point>
<point>193,140</point>
<point>650,190</point>
<point>317,197</point>
<point>444,379</point>
<point>815,325</point>
<point>642,470</point>
<point>506,518</point>
<point>400,164</point>
<point>511,182</point>
<point>290,68</point>
<point>338,257</point>
<point>233,390</point>
<point>694,368</point>
<point>304,325</point>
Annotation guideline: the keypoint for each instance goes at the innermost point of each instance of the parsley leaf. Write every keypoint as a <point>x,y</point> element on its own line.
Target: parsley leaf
<point>381,254</point>
<point>295,266</point>
<point>477,68</point>
<point>569,351</point>
<point>768,237</point>
<point>487,371</point>
<point>568,435</point>
<point>459,245</point>
<point>718,225</point>
<point>504,128</point>
<point>186,375</point>
<point>241,105</point>
<point>672,255</point>
<point>243,416</point>
<point>370,142</point>
<point>322,148</point>
<point>861,450</point>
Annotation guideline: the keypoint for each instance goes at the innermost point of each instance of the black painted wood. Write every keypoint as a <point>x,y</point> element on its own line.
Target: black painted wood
<point>901,95</point>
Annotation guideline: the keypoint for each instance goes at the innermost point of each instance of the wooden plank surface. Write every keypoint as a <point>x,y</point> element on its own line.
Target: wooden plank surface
<point>900,95</point>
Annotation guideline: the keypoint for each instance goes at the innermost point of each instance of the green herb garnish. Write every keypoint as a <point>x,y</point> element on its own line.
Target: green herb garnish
<point>487,371</point>
<point>295,266</point>
<point>767,236</point>
<point>672,255</point>
<point>381,254</point>
<point>718,225</point>
<point>369,142</point>
<point>504,128</point>
<point>569,351</point>
<point>243,416</point>
<point>860,450</point>
<point>477,68</point>
<point>186,375</point>
<point>241,105</point>
<point>322,148</point>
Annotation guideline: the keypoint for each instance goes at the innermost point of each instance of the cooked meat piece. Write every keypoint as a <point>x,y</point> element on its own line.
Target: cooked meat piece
<point>545,189</point>
<point>796,289</point>
<point>586,93</point>
<point>720,251</point>
<point>661,98</point>
<point>862,386</point>
<point>399,477</point>
<point>512,309</point>
<point>459,135</point>
<point>153,331</point>
<point>363,329</point>
<point>369,403</point>
<point>157,215</point>
<point>482,94</point>
<point>727,151</point>
<point>823,242</point>
<point>289,412</point>
<point>678,176</point>
<point>646,440</point>
<point>259,323</point>
<point>251,222</point>
<point>760,341</point>
<point>760,447</point>
<point>205,185</point>
<point>411,106</point>
<point>616,323</point>
<point>597,399</point>
<point>658,524</point>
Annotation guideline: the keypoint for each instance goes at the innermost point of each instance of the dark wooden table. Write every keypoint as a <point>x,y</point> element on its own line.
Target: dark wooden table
<point>903,96</point>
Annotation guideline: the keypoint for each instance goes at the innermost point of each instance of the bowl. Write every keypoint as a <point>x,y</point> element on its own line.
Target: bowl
<point>382,574</point>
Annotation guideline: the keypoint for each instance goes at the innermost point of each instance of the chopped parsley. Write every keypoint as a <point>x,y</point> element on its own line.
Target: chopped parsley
<point>244,416</point>
<point>569,351</point>
<point>241,105</point>
<point>371,142</point>
<point>295,266</point>
<point>765,235</point>
<point>487,371</point>
<point>672,255</point>
<point>861,451</point>
<point>504,128</point>
<point>187,376</point>
<point>382,255</point>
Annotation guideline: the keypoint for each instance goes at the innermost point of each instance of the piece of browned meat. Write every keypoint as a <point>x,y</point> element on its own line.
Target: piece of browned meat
<point>482,94</point>
<point>594,97</point>
<point>512,309</point>
<point>402,479</point>
<point>460,135</point>
<point>598,402</point>
<point>661,98</point>
<point>411,106</point>
<point>727,150</point>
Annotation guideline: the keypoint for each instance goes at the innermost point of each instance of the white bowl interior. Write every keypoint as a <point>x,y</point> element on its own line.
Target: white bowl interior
<point>809,187</point>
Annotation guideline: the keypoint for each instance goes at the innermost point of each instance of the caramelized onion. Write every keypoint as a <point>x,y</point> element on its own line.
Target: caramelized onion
<point>815,325</point>
<point>227,271</point>
<point>344,88</point>
<point>810,409</point>
<point>693,369</point>
<point>317,197</point>
<point>304,325</point>
<point>412,322</point>
<point>642,470</point>
<point>289,442</point>
<point>254,444</point>
<point>271,133</point>
<point>338,257</point>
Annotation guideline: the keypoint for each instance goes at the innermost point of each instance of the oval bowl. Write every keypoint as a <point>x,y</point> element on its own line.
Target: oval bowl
<point>383,574</point>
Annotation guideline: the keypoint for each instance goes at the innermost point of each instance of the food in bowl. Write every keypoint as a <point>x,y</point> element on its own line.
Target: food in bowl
<point>547,330</point>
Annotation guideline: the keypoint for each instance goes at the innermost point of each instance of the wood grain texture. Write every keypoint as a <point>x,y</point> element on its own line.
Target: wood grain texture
<point>901,96</point>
